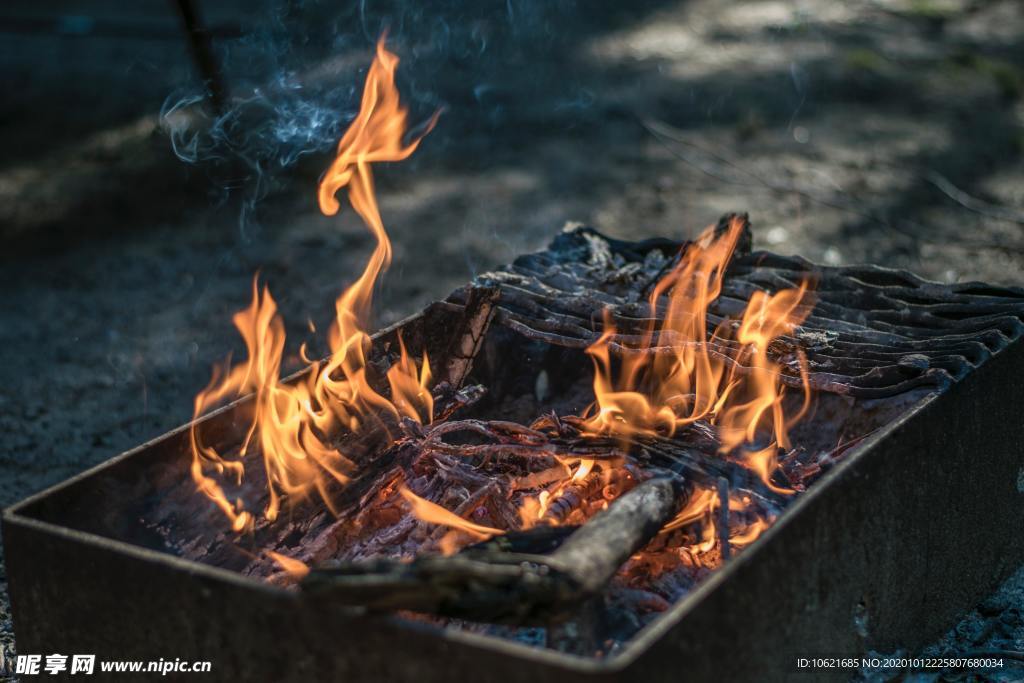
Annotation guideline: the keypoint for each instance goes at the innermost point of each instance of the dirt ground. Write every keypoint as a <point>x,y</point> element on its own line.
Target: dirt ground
<point>888,131</point>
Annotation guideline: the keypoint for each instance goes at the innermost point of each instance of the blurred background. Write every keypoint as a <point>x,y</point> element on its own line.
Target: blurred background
<point>153,164</point>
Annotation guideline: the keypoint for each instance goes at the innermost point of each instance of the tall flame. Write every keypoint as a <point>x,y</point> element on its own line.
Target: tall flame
<point>294,424</point>
<point>675,373</point>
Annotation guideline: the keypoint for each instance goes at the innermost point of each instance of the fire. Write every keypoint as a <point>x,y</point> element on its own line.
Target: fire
<point>750,534</point>
<point>532,511</point>
<point>675,372</point>
<point>294,425</point>
<point>700,504</point>
<point>297,569</point>
<point>650,381</point>
<point>433,513</point>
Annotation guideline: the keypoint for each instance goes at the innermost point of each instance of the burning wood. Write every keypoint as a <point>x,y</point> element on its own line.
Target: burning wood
<point>873,331</point>
<point>476,319</point>
<point>706,360</point>
<point>487,585</point>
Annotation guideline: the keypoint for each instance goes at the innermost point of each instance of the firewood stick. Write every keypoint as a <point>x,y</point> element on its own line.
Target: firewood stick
<point>593,554</point>
<point>484,585</point>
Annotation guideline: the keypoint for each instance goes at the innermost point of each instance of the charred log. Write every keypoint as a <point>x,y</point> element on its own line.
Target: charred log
<point>477,314</point>
<point>483,584</point>
<point>866,322</point>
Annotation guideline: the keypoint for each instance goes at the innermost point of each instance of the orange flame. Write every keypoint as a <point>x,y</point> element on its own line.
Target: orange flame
<point>750,534</point>
<point>676,373</point>
<point>766,318</point>
<point>293,424</point>
<point>297,569</point>
<point>432,513</point>
<point>699,504</point>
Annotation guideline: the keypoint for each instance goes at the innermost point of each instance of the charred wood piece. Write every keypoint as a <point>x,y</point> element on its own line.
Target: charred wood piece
<point>466,342</point>
<point>539,540</point>
<point>510,587</point>
<point>873,332</point>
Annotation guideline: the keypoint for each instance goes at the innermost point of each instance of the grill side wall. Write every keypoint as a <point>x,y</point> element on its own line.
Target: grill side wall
<point>74,595</point>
